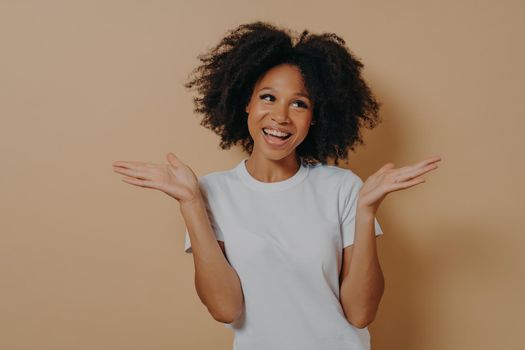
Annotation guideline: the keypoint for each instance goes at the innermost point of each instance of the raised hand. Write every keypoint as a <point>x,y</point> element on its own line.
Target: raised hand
<point>389,179</point>
<point>176,179</point>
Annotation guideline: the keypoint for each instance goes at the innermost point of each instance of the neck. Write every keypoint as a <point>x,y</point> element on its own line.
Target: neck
<point>272,170</point>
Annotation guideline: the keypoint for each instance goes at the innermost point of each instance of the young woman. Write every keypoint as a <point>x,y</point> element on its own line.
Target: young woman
<point>284,244</point>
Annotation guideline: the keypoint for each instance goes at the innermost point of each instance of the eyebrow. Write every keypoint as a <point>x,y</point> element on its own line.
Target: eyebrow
<point>297,93</point>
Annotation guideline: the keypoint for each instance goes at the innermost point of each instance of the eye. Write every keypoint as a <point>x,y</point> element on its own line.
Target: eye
<point>264,96</point>
<point>302,104</point>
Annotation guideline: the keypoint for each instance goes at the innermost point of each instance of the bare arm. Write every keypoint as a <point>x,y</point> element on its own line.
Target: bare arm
<point>216,282</point>
<point>361,282</point>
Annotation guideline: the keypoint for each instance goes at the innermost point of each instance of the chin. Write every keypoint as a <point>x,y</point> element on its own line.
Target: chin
<point>277,155</point>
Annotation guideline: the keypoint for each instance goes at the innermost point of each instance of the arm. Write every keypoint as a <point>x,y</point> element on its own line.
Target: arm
<point>361,281</point>
<point>216,282</point>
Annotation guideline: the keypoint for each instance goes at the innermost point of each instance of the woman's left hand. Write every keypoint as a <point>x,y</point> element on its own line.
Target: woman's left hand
<point>388,179</point>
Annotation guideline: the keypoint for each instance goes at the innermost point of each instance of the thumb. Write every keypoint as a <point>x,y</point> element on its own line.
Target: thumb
<point>172,159</point>
<point>387,166</point>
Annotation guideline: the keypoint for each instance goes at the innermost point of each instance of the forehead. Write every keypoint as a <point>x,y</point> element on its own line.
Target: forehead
<point>282,77</point>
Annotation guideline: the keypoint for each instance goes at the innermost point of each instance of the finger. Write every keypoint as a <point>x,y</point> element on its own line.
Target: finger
<point>429,160</point>
<point>133,173</point>
<point>412,169</point>
<point>421,171</point>
<point>128,164</point>
<point>137,182</point>
<point>409,174</point>
<point>385,167</point>
<point>419,165</point>
<point>173,159</point>
<point>137,166</point>
<point>407,184</point>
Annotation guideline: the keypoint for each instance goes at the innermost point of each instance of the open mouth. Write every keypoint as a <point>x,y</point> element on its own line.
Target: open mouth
<point>275,136</point>
<point>275,141</point>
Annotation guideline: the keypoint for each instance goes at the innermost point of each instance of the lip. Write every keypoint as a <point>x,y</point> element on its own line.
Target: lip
<point>277,128</point>
<point>274,143</point>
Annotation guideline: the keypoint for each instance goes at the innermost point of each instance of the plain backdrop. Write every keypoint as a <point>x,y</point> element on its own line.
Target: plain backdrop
<point>90,262</point>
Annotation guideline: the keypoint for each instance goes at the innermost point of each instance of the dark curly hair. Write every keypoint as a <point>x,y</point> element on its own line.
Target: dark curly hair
<point>343,103</point>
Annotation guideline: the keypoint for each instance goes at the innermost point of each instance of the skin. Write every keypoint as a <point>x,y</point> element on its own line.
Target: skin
<point>282,105</point>
<point>361,279</point>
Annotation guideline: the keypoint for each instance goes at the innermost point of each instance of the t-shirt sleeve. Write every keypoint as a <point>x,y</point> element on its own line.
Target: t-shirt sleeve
<point>216,229</point>
<point>349,196</point>
<point>187,243</point>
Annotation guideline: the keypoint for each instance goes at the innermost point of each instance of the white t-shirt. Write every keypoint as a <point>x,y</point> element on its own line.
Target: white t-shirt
<point>285,240</point>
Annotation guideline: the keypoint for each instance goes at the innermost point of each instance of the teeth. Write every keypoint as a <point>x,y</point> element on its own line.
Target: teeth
<point>276,132</point>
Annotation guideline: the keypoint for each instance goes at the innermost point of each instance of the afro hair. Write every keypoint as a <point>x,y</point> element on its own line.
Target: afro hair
<point>343,103</point>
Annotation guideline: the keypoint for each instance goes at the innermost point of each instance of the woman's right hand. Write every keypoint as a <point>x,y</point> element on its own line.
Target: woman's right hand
<point>176,179</point>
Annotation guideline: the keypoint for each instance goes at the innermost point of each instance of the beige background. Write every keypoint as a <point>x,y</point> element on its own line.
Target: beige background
<point>90,262</point>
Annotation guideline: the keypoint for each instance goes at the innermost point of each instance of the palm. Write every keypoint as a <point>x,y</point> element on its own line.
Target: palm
<point>176,179</point>
<point>389,179</point>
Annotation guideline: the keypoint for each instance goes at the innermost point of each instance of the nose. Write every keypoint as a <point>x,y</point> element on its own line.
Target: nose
<point>280,114</point>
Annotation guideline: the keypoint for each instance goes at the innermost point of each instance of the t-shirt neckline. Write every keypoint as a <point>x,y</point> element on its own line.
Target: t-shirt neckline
<point>255,184</point>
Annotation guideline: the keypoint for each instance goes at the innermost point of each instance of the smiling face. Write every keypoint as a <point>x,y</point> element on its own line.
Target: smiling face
<point>279,101</point>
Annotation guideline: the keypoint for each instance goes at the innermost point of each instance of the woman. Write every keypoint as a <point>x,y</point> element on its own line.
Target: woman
<point>284,244</point>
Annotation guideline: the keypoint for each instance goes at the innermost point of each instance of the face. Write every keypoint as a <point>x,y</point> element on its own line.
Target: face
<point>279,102</point>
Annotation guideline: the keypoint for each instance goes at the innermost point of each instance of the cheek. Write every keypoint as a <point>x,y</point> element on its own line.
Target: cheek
<point>258,110</point>
<point>303,126</point>
<point>255,116</point>
<point>254,124</point>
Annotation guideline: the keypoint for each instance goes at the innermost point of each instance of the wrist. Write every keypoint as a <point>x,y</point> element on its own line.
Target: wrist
<point>365,211</point>
<point>194,202</point>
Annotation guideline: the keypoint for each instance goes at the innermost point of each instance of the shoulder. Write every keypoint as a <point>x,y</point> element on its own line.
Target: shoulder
<point>217,180</point>
<point>345,178</point>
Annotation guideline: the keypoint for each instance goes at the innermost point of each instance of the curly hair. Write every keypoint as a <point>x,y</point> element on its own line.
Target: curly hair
<point>343,103</point>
